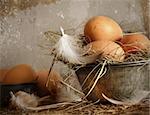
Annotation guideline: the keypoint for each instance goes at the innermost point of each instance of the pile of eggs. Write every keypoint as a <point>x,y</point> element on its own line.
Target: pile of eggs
<point>23,73</point>
<point>105,38</point>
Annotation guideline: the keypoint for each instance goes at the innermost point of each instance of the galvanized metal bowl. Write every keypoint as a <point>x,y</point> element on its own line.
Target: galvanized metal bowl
<point>121,81</point>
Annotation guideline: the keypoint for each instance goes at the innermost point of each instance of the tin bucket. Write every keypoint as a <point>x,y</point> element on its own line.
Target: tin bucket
<point>121,81</point>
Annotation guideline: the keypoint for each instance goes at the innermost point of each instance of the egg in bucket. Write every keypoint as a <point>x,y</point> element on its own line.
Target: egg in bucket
<point>102,42</point>
<point>121,79</point>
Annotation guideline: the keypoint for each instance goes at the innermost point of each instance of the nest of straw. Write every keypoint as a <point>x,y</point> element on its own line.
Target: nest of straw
<point>141,55</point>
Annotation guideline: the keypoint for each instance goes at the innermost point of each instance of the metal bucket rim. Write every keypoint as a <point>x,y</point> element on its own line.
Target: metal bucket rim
<point>123,64</point>
<point>134,63</point>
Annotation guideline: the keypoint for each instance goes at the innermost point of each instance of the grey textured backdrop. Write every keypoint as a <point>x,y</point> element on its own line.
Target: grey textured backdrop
<point>22,27</point>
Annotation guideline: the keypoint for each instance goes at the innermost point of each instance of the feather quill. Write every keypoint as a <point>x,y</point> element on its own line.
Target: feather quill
<point>135,99</point>
<point>69,50</point>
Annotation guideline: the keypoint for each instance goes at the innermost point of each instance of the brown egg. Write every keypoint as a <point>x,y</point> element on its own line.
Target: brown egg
<point>20,74</point>
<point>102,28</point>
<point>107,49</point>
<point>135,42</point>
<point>53,83</point>
<point>2,74</point>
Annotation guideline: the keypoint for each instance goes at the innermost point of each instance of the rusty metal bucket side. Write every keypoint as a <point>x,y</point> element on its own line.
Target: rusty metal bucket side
<point>121,80</point>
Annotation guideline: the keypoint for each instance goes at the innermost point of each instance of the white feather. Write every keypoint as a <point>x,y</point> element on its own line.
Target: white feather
<point>135,99</point>
<point>114,101</point>
<point>68,48</point>
<point>22,100</point>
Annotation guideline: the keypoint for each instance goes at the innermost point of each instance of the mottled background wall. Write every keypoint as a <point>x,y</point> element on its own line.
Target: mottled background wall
<point>23,22</point>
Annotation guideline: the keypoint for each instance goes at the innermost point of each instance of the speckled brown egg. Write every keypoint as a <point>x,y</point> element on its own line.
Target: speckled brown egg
<point>108,50</point>
<point>135,42</point>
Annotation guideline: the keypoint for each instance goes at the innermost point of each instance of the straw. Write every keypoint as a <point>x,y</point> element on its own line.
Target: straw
<point>98,77</point>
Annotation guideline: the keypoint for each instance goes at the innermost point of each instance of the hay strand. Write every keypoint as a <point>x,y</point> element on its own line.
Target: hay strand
<point>98,77</point>
<point>72,87</point>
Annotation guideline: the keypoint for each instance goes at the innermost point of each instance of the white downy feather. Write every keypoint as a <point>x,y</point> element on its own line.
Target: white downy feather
<point>22,100</point>
<point>67,48</point>
<point>29,102</point>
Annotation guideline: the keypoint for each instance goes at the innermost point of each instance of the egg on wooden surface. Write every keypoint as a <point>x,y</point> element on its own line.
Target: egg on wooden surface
<point>108,50</point>
<point>102,28</point>
<point>53,82</point>
<point>19,74</point>
<point>135,42</point>
<point>2,74</point>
